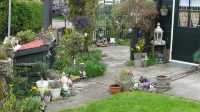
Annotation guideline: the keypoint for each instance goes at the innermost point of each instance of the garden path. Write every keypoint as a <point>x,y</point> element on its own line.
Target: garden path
<point>96,88</point>
<point>116,56</point>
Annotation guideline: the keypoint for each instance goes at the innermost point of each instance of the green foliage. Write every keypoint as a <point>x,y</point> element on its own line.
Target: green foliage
<point>72,70</point>
<point>72,42</point>
<point>94,69</point>
<point>140,102</point>
<point>29,104</point>
<point>9,104</point>
<point>20,86</point>
<point>94,55</point>
<point>196,56</point>
<point>3,18</point>
<point>122,42</point>
<point>25,36</point>
<point>26,14</point>
<point>151,59</point>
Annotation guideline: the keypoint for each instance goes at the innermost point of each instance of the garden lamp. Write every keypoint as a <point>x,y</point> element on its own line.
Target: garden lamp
<point>158,35</point>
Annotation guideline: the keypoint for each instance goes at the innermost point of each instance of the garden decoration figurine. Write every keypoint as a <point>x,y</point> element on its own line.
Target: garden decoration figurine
<point>82,71</point>
<point>66,85</point>
<point>158,36</point>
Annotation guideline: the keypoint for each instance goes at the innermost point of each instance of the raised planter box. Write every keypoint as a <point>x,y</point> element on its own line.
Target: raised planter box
<point>139,59</point>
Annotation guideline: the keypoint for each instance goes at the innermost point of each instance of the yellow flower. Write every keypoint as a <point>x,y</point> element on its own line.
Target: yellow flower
<point>11,85</point>
<point>34,88</point>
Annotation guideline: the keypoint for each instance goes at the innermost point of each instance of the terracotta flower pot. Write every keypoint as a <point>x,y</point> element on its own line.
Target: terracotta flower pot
<point>115,88</point>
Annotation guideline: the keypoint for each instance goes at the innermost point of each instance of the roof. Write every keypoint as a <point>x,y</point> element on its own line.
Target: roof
<point>33,44</point>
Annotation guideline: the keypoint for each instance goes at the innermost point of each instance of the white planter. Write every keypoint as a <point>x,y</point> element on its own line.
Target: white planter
<point>55,92</point>
<point>42,84</point>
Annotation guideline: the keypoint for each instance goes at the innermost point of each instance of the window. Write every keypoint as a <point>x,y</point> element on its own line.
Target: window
<point>189,13</point>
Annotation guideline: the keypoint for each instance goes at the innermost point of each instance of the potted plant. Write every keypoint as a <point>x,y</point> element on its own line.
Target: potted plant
<point>163,10</point>
<point>139,55</point>
<point>126,80</point>
<point>116,86</point>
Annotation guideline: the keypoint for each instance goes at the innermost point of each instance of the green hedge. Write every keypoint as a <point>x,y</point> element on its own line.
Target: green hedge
<point>26,14</point>
<point>3,17</point>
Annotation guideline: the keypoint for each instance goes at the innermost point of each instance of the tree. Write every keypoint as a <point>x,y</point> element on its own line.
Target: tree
<point>82,14</point>
<point>72,42</point>
<point>142,13</point>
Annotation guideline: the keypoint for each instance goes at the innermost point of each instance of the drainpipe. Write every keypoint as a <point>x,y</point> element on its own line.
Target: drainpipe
<point>9,17</point>
<point>47,14</point>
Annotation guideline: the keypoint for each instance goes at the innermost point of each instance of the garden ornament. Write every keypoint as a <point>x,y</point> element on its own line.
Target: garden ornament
<point>158,36</point>
<point>66,82</point>
<point>82,71</point>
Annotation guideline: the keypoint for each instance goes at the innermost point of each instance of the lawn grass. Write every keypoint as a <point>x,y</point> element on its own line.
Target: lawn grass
<point>140,102</point>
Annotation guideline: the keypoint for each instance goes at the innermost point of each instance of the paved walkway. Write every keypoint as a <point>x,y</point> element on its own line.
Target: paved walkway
<point>187,87</point>
<point>116,56</point>
<point>96,88</point>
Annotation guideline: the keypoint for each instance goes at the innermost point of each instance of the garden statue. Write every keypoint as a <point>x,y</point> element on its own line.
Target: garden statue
<point>82,71</point>
<point>158,36</point>
<point>66,85</point>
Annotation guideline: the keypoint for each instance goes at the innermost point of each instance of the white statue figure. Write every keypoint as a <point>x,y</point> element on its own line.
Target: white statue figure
<point>66,83</point>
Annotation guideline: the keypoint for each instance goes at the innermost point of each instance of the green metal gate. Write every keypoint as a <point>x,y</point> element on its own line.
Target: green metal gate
<point>186,35</point>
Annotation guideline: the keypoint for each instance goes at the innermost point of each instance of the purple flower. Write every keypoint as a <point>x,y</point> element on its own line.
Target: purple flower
<point>81,21</point>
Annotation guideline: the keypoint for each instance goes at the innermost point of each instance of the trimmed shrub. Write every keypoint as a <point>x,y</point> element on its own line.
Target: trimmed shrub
<point>94,69</point>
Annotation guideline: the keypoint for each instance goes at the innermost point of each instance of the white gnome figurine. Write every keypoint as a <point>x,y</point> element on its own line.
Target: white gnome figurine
<point>66,83</point>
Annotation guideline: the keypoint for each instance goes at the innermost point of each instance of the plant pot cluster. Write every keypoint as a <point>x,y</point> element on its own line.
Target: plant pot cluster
<point>123,83</point>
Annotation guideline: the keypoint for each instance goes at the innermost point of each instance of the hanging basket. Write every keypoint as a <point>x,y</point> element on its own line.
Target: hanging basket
<point>164,12</point>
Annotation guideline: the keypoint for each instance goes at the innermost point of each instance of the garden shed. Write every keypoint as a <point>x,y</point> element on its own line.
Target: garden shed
<point>181,26</point>
<point>37,51</point>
